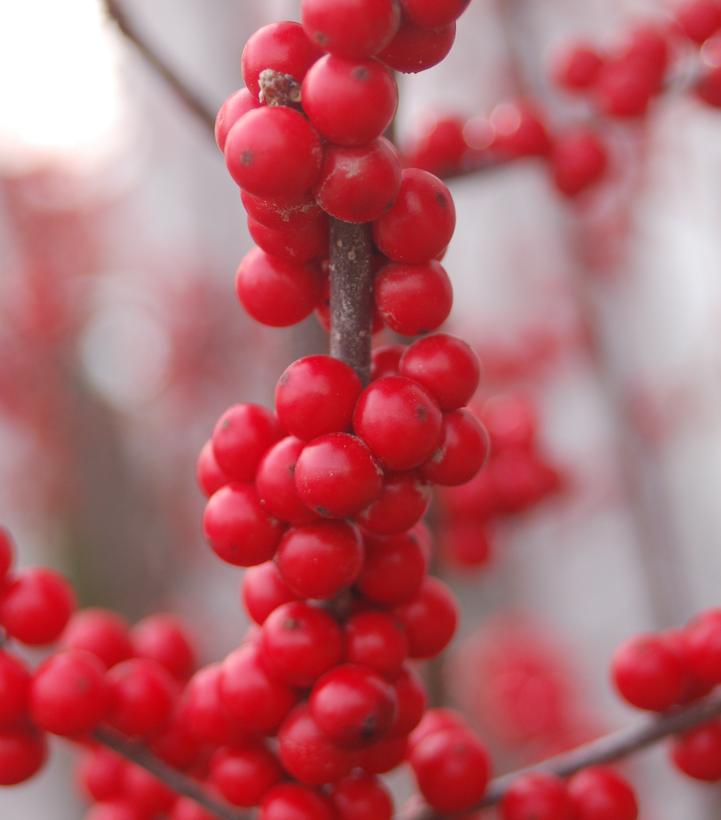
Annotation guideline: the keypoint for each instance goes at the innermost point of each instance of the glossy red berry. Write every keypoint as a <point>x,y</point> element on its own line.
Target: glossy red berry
<point>359,184</point>
<point>519,131</point>
<point>599,793</point>
<point>421,222</point>
<point>187,809</point>
<point>7,554</point>
<point>274,152</point>
<point>578,160</point>
<point>430,619</point>
<point>101,774</point>
<point>316,395</point>
<point>439,147</point>
<point>277,292</point>
<point>121,809</point>
<point>433,13</point>
<point>393,570</point>
<point>462,451</point>
<point>383,756</point>
<point>575,68</point>
<point>622,90</point>
<point>466,544</point>
<point>291,801</point>
<point>698,19</point>
<point>412,702</point>
<point>336,475</point>
<point>243,774</point>
<point>447,367</point>
<point>353,705</point>
<point>403,501</point>
<point>452,769</point>
<point>36,605</point>
<point>321,559</point>
<point>536,796</point>
<point>264,590</point>
<point>376,640</point>
<point>241,437</point>
<point>361,797</point>
<point>282,47</point>
<point>399,421</point>
<point>100,632</point>
<point>142,696</point>
<point>292,244</point>
<point>146,793</point>
<point>415,49</point>
<point>238,528</point>
<point>14,690</point>
<point>202,709</point>
<point>308,754</point>
<point>385,361</point>
<point>648,673</point>
<point>279,214</point>
<point>511,422</point>
<point>69,694</point>
<point>275,483</point>
<point>697,753</point>
<point>22,755</point>
<point>208,473</point>
<point>434,720</point>
<point>350,103</point>
<point>350,28</point>
<point>299,643</point>
<point>258,701</point>
<point>165,639</point>
<point>413,299</point>
<point>702,646</point>
<point>708,87</point>
<point>238,104</point>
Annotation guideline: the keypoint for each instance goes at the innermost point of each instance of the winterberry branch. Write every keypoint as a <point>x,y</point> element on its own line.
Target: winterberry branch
<point>172,778</point>
<point>202,111</point>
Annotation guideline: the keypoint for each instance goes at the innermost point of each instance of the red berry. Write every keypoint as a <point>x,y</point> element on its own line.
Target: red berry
<point>14,690</point>
<point>290,801</point>
<point>575,68</point>
<point>447,367</point>
<point>578,160</point>
<point>413,299</point>
<point>251,696</point>
<point>466,544</point>
<point>142,696</point>
<point>421,222</point>
<point>115,810</point>
<point>350,28</point>
<point>299,643</point>
<point>399,421</point>
<point>708,87</point>
<point>353,705</point>
<point>536,796</point>
<point>316,395</point>
<point>279,214</point>
<point>238,104</point>
<point>385,361</point>
<point>699,19</point>
<point>177,745</point>
<point>241,437</point>
<point>648,673</point>
<point>697,753</point>
<point>452,769</point>
<point>511,422</point>
<point>187,809</point>
<point>69,693</point>
<point>208,473</point>
<point>646,46</point>
<point>274,152</point>
<point>22,755</point>
<point>433,13</point>
<point>519,131</point>
<point>435,720</point>
<point>292,244</point>
<point>165,639</point>
<point>393,570</point>
<point>337,476</point>
<point>622,90</point>
<point>101,774</point>
<point>361,797</point>
<point>376,640</point>
<point>276,292</point>
<point>36,605</point>
<point>146,793</point>
<point>243,775</point>
<point>238,528</point>
<point>599,793</point>
<point>7,554</point>
<point>415,49</point>
<point>440,147</point>
<point>264,590</point>
<point>350,103</point>
<point>275,483</point>
<point>202,710</point>
<point>320,560</point>
<point>359,184</point>
<point>702,646</point>
<point>412,702</point>
<point>430,619</point>
<point>282,47</point>
<point>403,501</point>
<point>383,756</point>
<point>308,754</point>
<point>462,452</point>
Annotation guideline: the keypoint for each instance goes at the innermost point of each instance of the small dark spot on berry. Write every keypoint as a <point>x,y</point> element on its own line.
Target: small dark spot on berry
<point>291,624</point>
<point>291,468</point>
<point>369,728</point>
<point>225,425</point>
<point>360,73</point>
<point>324,511</point>
<point>441,199</point>
<point>320,38</point>
<point>246,158</point>
<point>284,378</point>
<point>421,413</point>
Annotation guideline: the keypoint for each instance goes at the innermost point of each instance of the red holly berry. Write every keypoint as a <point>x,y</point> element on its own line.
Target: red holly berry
<point>430,619</point>
<point>299,643</point>
<point>244,774</point>
<point>385,361</point>
<point>622,90</point>
<point>350,28</point>
<point>292,244</point>
<point>702,646</point>
<point>291,801</point>
<point>421,222</point>
<point>412,702</point>
<point>466,544</point>
<point>393,570</point>
<point>101,774</point>
<point>275,483</point>
<point>145,792</point>
<point>511,422</point>
<point>599,793</point>
<point>708,87</point>
<point>519,131</point>
<point>697,753</point>
<point>383,756</point>
<point>7,554</point>
<point>165,639</point>
<point>648,673</point>
<point>274,152</point>
<point>415,49</point>
<point>578,161</point>
<point>241,437</point>
<point>208,473</point>
<point>280,214</point>
<point>433,13</point>
<point>22,755</point>
<point>202,709</point>
<point>264,590</point>
<point>698,19</point>
<point>576,67</point>
<point>462,451</point>
<point>399,421</point>
<point>376,640</point>
<point>447,367</point>
<point>187,809</point>
<point>536,796</point>
<point>114,810</point>
<point>403,501</point>
<point>36,605</point>
<point>14,690</point>
<point>238,104</point>
<point>282,47</point>
<point>440,147</point>
<point>413,299</point>
<point>361,797</point>
<point>142,696</point>
<point>359,184</point>
<point>349,102</point>
<point>435,720</point>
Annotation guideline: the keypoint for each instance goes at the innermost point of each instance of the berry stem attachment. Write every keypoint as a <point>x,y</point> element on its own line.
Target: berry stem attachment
<point>351,295</point>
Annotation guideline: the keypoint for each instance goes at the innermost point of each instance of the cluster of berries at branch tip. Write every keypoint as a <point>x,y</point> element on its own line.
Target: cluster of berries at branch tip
<point>618,83</point>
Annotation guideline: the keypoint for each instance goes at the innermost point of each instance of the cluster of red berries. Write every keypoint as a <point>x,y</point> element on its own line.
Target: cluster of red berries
<point>657,672</point>
<point>517,477</point>
<point>619,82</point>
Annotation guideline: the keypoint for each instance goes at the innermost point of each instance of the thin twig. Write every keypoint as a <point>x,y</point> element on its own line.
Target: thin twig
<point>201,110</point>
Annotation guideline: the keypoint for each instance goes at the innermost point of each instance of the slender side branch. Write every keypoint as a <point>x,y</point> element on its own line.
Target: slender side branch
<point>351,295</point>
<point>200,109</point>
<point>175,780</point>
